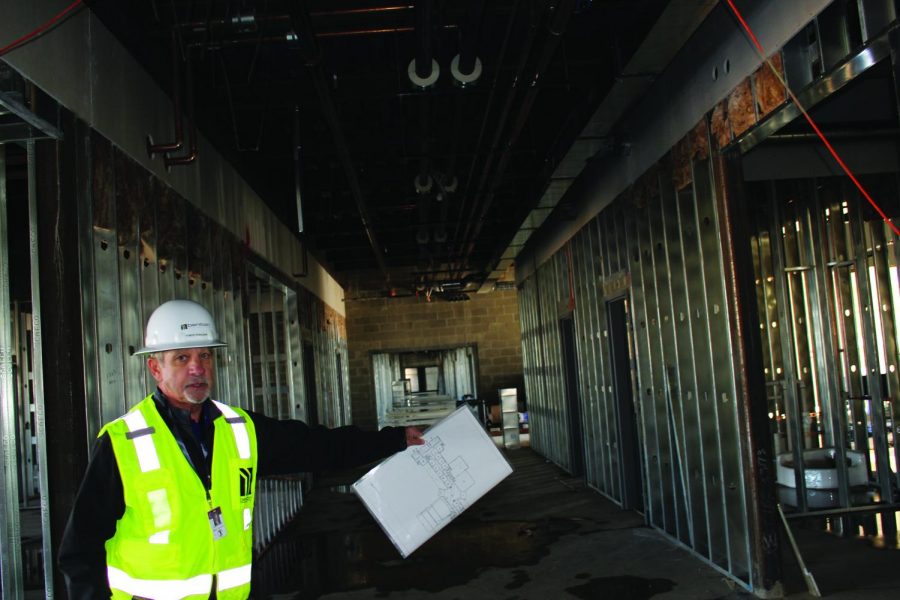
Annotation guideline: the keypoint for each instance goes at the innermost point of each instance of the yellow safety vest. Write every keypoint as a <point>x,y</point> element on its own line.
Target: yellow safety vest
<point>164,546</point>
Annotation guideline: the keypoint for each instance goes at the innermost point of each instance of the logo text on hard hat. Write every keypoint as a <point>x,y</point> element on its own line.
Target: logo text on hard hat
<point>189,325</point>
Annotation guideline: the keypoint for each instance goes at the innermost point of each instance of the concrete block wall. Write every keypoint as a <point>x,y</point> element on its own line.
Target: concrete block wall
<point>488,321</point>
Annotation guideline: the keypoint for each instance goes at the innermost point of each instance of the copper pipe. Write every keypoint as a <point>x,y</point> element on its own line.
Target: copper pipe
<point>352,32</point>
<point>153,149</point>
<point>192,154</point>
<point>360,11</point>
<point>330,34</point>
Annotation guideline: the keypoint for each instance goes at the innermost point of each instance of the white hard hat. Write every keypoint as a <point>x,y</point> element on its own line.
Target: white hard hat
<point>178,324</point>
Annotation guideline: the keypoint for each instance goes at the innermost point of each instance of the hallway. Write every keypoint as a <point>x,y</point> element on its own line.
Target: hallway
<point>539,534</point>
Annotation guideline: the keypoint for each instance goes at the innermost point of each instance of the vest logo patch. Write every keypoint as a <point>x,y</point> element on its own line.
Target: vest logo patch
<point>246,476</point>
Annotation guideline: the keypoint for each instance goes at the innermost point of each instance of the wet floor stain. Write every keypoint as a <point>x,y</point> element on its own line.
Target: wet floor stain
<point>621,588</point>
<point>324,562</point>
<point>520,578</point>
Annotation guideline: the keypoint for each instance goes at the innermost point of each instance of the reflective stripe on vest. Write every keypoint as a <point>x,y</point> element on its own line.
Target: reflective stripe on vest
<point>174,589</point>
<point>146,451</point>
<point>232,578</point>
<point>140,434</point>
<point>159,589</point>
<point>237,427</point>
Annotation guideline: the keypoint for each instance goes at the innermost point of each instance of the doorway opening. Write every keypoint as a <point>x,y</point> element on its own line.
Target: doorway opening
<point>576,441</point>
<point>418,387</point>
<point>309,379</point>
<point>630,464</point>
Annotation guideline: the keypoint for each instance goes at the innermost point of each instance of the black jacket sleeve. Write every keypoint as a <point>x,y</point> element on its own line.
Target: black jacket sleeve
<point>293,446</point>
<point>98,505</point>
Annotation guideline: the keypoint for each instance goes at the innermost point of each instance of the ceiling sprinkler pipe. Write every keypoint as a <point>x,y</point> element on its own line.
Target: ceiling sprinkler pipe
<point>423,70</point>
<point>424,53</point>
<point>468,39</point>
<point>311,58</point>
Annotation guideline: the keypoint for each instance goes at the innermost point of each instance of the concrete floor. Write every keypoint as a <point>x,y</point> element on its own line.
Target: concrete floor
<point>539,534</point>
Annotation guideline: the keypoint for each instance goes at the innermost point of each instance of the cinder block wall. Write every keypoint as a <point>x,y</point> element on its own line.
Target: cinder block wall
<point>489,321</point>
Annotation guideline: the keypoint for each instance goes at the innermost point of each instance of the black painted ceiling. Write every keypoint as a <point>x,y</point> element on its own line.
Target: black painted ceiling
<point>336,71</point>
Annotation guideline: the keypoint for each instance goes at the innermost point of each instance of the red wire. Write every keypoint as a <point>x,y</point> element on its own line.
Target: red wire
<point>746,27</point>
<point>809,119</point>
<point>42,29</point>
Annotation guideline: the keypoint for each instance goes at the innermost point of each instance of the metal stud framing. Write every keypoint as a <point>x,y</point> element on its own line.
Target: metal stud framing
<point>11,557</point>
<point>827,292</point>
<point>37,376</point>
<point>668,247</point>
<point>827,279</point>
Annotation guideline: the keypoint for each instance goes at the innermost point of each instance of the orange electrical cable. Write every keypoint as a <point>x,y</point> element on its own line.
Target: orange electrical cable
<point>29,37</point>
<point>809,119</point>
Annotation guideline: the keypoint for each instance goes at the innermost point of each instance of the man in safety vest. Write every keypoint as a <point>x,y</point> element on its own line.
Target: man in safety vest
<point>165,510</point>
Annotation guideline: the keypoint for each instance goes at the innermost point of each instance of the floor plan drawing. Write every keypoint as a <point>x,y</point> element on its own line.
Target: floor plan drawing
<point>452,479</point>
<point>417,492</point>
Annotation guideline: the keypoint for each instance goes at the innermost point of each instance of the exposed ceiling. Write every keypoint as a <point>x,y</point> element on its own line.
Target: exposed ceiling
<point>403,185</point>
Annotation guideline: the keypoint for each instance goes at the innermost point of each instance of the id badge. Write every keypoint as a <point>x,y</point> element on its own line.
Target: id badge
<point>216,523</point>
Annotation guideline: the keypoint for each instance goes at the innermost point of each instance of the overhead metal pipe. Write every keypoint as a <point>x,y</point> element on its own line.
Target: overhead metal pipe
<point>361,11</point>
<point>487,111</point>
<point>423,71</point>
<point>291,37</point>
<point>460,236</point>
<point>312,56</point>
<point>468,42</point>
<point>154,149</point>
<point>836,135</point>
<point>298,170</point>
<point>191,156</point>
<point>559,20</point>
<point>423,34</point>
<point>252,19</point>
<point>424,183</point>
<point>374,31</point>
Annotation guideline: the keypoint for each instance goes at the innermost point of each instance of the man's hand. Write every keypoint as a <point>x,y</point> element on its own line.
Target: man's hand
<point>414,436</point>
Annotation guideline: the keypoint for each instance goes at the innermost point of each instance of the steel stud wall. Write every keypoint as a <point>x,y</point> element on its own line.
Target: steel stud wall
<point>827,294</point>
<point>543,363</point>
<point>828,284</point>
<point>660,245</point>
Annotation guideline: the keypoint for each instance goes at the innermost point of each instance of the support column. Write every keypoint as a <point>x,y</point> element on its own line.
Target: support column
<point>58,194</point>
<point>753,421</point>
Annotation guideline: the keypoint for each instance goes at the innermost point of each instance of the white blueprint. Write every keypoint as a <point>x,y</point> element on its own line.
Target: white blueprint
<point>415,493</point>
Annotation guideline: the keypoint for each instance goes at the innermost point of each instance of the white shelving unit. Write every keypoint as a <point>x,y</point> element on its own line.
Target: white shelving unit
<point>509,417</point>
